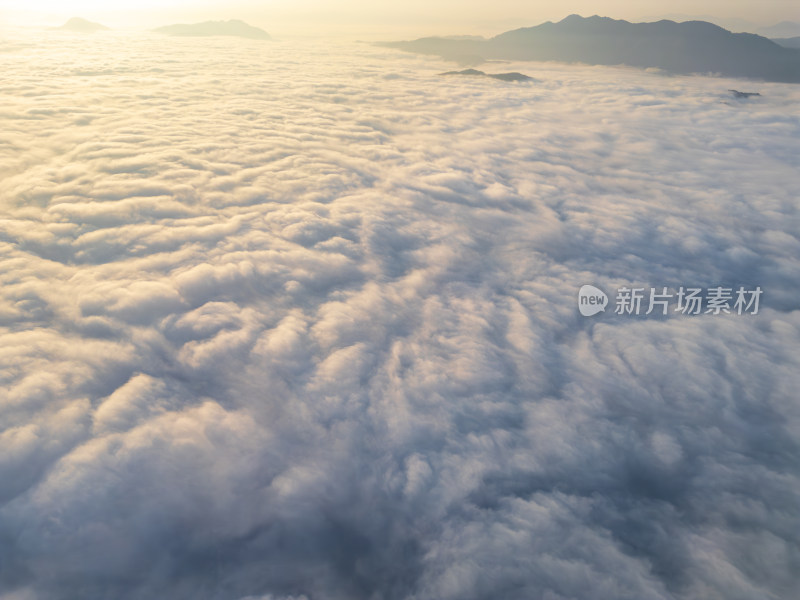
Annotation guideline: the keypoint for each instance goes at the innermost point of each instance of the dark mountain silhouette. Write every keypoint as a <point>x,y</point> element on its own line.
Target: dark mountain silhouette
<point>234,28</point>
<point>500,76</point>
<point>793,42</point>
<point>82,26</point>
<point>689,47</point>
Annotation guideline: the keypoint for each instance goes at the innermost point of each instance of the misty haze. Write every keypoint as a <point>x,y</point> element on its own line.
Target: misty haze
<point>505,312</point>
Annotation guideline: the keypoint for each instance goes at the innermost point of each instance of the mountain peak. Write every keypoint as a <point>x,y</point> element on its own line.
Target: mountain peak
<point>594,19</point>
<point>82,25</point>
<point>231,28</point>
<point>690,47</point>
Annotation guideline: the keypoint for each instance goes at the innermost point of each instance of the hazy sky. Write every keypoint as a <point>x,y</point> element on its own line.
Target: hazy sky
<point>366,17</point>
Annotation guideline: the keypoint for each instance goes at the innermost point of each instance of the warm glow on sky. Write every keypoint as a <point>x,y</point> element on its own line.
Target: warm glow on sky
<point>373,19</point>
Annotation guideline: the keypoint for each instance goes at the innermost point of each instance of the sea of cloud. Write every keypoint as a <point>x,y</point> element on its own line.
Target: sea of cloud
<point>297,320</point>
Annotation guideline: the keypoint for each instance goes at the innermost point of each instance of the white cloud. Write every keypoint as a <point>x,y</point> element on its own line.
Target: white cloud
<point>302,324</point>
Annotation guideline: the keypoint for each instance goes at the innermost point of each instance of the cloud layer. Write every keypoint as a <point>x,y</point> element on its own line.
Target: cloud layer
<point>300,321</point>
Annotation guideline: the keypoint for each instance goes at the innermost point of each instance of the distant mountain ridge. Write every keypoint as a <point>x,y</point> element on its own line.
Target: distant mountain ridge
<point>501,76</point>
<point>82,26</point>
<point>792,42</point>
<point>233,28</point>
<point>682,48</point>
<point>784,29</point>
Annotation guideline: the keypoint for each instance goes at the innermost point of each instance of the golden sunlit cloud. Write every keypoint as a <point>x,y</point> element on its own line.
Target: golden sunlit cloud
<point>420,16</point>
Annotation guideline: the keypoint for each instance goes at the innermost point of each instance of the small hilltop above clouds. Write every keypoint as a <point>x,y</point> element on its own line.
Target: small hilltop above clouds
<point>500,76</point>
<point>681,48</point>
<point>232,28</point>
<point>82,26</point>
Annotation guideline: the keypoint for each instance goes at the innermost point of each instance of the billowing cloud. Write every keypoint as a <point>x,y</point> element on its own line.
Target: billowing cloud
<point>299,321</point>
